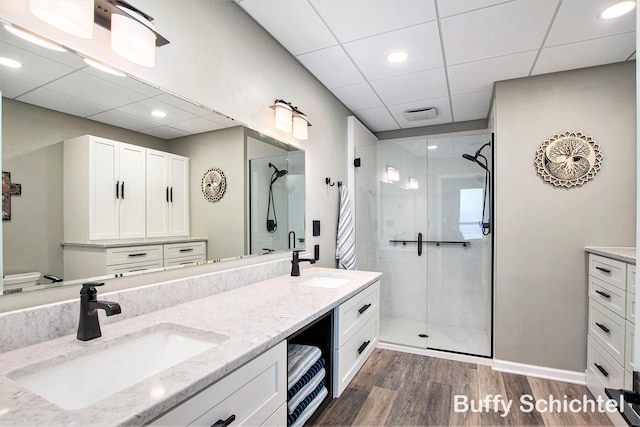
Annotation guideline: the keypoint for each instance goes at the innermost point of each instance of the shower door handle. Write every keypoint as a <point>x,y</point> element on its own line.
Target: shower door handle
<point>419,244</point>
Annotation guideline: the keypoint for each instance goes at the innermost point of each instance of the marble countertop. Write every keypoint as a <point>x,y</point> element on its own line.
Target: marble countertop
<point>255,317</point>
<point>624,254</point>
<point>135,242</point>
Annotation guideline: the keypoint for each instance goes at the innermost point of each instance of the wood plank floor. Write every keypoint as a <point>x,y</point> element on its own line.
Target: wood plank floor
<point>401,389</point>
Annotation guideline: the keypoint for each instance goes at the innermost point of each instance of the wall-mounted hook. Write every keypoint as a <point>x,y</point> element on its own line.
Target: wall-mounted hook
<point>328,182</point>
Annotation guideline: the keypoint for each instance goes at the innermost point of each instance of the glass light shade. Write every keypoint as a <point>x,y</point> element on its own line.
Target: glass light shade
<point>300,126</point>
<point>133,39</point>
<point>283,116</point>
<point>72,16</point>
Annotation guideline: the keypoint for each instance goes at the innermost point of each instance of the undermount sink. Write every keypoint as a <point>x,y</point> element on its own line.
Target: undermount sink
<point>324,280</point>
<point>80,379</point>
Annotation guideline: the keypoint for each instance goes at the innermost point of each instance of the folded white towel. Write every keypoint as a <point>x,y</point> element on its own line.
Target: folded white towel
<point>299,359</point>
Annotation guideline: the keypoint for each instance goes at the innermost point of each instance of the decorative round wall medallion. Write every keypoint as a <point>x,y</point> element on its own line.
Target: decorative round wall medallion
<point>214,184</point>
<point>568,159</point>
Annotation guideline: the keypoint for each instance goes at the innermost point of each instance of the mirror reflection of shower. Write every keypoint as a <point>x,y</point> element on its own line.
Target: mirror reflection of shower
<point>272,220</point>
<point>482,161</point>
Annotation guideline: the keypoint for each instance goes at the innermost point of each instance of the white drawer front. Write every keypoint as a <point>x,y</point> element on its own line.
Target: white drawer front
<point>608,295</point>
<point>609,270</point>
<point>628,349</point>
<point>170,262</point>
<point>137,267</point>
<point>353,313</point>
<point>602,366</point>
<point>608,329</point>
<point>279,418</point>
<point>350,358</point>
<point>174,250</point>
<point>631,278</point>
<point>132,254</point>
<point>252,394</point>
<point>631,307</point>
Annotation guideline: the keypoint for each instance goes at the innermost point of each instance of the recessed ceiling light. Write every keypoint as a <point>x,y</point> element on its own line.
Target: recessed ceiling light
<point>11,63</point>
<point>399,56</point>
<point>618,9</point>
<point>432,147</point>
<point>158,113</point>
<point>32,38</point>
<point>100,66</point>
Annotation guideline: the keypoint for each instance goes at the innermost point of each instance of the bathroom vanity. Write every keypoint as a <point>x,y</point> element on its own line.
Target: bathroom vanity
<point>238,377</point>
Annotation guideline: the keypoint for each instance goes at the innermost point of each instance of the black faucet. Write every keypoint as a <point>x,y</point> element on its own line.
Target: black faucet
<point>89,325</point>
<point>295,268</point>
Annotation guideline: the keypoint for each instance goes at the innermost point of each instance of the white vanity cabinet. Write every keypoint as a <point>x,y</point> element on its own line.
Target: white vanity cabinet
<point>167,194</point>
<point>611,323</point>
<point>356,330</point>
<point>254,394</point>
<point>104,189</point>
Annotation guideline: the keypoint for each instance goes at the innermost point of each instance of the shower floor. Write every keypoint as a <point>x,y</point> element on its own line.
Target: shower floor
<point>395,330</point>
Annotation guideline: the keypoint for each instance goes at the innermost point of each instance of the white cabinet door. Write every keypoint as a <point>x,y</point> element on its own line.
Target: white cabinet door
<point>104,206</point>
<point>157,194</point>
<point>167,194</point>
<point>132,191</point>
<point>179,196</point>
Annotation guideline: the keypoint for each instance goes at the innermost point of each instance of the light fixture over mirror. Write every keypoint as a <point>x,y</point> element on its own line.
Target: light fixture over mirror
<point>288,118</point>
<point>133,37</point>
<point>71,16</point>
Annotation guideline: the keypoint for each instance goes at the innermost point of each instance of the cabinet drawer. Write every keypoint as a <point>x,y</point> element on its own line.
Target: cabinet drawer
<point>602,366</point>
<point>134,267</point>
<point>608,295</point>
<point>279,418</point>
<point>608,329</point>
<point>175,250</point>
<point>631,278</point>
<point>353,313</point>
<point>628,347</point>
<point>252,394</point>
<point>631,307</point>
<point>350,358</point>
<point>132,254</point>
<point>609,270</point>
<point>171,262</point>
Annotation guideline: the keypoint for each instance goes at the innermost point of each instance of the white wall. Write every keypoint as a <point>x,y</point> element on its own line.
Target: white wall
<point>220,58</point>
<point>541,230</point>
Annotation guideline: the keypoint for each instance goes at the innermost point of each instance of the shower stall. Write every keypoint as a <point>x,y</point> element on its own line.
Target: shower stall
<point>423,215</point>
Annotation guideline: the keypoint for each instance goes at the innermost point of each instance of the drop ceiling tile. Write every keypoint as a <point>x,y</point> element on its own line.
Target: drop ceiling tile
<point>123,120</point>
<point>577,20</point>
<point>125,82</point>
<point>455,7</point>
<point>221,119</point>
<point>480,75</point>
<point>585,54</point>
<point>421,41</point>
<point>504,29</point>
<point>412,87</point>
<point>66,58</point>
<point>332,67</point>
<point>92,89</point>
<point>293,23</point>
<point>196,125</point>
<point>356,19</point>
<point>470,117</point>
<point>143,109</point>
<point>62,102</point>
<point>165,132</point>
<point>358,97</point>
<point>183,104</point>
<point>36,69</point>
<point>441,104</point>
<point>471,103</point>
<point>11,87</point>
<point>377,119</point>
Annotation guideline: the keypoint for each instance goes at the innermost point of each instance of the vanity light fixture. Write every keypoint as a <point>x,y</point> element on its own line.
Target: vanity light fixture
<point>289,118</point>
<point>71,16</point>
<point>105,68</point>
<point>397,57</point>
<point>133,37</point>
<point>393,174</point>
<point>32,38</point>
<point>618,9</point>
<point>10,63</point>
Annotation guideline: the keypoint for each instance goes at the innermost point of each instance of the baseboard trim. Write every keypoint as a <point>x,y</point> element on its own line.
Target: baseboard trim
<point>540,372</point>
<point>435,353</point>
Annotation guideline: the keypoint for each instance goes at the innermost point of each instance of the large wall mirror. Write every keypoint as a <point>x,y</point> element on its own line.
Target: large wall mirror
<point>56,96</point>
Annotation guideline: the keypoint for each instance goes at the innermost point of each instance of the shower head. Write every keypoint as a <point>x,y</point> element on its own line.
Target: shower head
<point>474,158</point>
<point>277,173</point>
<point>469,157</point>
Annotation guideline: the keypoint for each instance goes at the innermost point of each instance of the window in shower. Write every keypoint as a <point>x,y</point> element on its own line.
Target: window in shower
<point>471,213</point>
